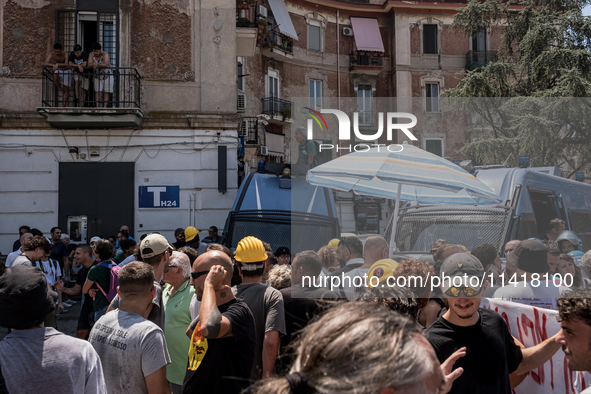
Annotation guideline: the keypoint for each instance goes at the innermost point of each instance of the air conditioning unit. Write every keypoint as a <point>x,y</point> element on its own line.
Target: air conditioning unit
<point>264,151</point>
<point>347,31</point>
<point>262,11</point>
<point>241,101</point>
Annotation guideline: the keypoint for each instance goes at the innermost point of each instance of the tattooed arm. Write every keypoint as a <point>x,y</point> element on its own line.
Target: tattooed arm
<point>213,324</point>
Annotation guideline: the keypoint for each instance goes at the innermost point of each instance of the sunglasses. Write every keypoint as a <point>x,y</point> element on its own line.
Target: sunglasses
<point>468,291</point>
<point>195,275</point>
<point>172,266</point>
<point>508,251</point>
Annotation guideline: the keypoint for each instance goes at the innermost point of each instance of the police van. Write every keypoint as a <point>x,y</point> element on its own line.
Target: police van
<point>278,206</point>
<point>531,197</point>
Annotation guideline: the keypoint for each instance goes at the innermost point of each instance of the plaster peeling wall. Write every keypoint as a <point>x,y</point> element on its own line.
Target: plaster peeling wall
<point>21,36</point>
<point>183,6</point>
<point>161,40</point>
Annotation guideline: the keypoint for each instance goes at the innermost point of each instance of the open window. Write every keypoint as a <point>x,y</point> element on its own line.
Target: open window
<point>86,27</point>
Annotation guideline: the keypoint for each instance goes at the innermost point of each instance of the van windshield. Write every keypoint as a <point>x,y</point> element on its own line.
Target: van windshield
<point>419,227</point>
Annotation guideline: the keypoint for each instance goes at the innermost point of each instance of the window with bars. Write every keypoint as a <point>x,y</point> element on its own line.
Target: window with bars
<point>86,27</point>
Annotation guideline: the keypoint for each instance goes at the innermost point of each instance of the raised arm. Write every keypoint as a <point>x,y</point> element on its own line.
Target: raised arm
<point>537,355</point>
<point>213,324</point>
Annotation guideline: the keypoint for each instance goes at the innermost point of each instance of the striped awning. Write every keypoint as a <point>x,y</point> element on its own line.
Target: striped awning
<point>367,34</point>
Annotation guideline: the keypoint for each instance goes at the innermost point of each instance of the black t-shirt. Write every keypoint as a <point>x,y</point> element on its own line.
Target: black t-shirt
<point>223,365</point>
<point>59,250</point>
<point>491,353</point>
<point>80,279</point>
<point>78,60</point>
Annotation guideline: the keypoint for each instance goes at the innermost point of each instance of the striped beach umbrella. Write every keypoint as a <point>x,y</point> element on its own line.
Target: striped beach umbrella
<point>411,174</point>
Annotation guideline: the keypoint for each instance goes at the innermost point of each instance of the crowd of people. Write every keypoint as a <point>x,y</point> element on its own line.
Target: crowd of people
<point>193,316</point>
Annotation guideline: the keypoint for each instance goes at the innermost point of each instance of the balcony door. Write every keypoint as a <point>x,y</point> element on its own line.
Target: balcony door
<point>479,46</point>
<point>273,90</point>
<point>85,27</point>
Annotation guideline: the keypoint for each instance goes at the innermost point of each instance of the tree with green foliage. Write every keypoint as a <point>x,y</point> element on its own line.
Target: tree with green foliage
<point>534,99</point>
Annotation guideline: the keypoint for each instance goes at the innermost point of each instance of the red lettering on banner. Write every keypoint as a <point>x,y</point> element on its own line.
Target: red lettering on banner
<point>537,377</point>
<point>506,318</point>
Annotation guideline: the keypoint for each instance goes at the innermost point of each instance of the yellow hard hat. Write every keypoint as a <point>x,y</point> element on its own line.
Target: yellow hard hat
<point>250,250</point>
<point>334,243</point>
<point>190,233</point>
<point>382,269</point>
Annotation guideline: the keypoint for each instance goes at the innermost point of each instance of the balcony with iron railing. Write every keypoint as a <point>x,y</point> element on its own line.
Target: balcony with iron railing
<point>277,45</point>
<point>366,62</point>
<point>479,59</point>
<point>279,110</point>
<point>101,98</point>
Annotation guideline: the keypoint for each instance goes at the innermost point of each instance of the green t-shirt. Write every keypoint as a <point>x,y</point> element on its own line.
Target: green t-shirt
<point>119,258</point>
<point>177,317</point>
<point>102,276</point>
<point>304,148</point>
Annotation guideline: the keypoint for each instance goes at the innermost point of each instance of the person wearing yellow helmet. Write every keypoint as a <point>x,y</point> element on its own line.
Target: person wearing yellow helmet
<point>334,243</point>
<point>192,240</point>
<point>265,302</point>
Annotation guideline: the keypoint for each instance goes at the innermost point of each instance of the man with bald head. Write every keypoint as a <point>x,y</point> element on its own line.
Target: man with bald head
<point>511,245</point>
<point>223,335</point>
<point>354,283</point>
<point>26,237</point>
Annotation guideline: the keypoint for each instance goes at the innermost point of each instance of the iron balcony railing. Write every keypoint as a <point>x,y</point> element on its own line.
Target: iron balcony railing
<point>249,130</point>
<point>277,106</point>
<point>360,58</point>
<point>246,14</point>
<point>478,59</point>
<point>116,87</point>
<point>278,40</point>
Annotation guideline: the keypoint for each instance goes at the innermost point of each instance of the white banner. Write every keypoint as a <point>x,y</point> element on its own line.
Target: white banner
<point>531,326</point>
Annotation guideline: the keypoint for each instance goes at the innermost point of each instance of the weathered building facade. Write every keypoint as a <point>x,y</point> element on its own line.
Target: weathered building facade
<point>160,153</point>
<point>365,51</point>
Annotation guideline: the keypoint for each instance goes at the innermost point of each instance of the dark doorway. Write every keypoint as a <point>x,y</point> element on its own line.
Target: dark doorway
<point>104,192</point>
<point>88,34</point>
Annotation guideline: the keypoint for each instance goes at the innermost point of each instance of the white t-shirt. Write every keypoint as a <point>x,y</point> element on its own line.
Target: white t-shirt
<point>51,269</point>
<point>544,295</point>
<point>358,284</point>
<point>11,256</point>
<point>194,307</point>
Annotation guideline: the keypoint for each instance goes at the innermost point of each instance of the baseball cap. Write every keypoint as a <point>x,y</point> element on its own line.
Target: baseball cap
<point>190,233</point>
<point>466,267</point>
<point>95,239</point>
<point>530,256</point>
<point>179,231</point>
<point>153,245</point>
<point>281,251</point>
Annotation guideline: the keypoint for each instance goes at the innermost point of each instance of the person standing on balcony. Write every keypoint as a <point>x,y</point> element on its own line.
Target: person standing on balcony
<point>306,148</point>
<point>78,60</point>
<point>58,61</point>
<point>103,79</point>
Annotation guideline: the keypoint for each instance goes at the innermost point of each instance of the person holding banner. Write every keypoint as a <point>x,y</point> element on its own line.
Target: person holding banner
<point>491,351</point>
<point>574,314</point>
<point>530,282</point>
